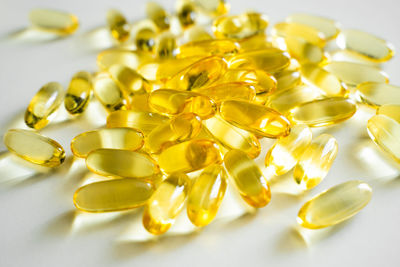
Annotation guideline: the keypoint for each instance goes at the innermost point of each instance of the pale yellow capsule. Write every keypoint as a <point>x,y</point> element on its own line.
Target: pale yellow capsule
<point>196,33</point>
<point>304,51</point>
<point>145,39</point>
<point>213,7</point>
<point>109,93</point>
<point>129,80</point>
<point>186,12</point>
<point>310,34</point>
<point>158,15</point>
<point>392,111</point>
<point>377,94</point>
<point>232,90</point>
<point>287,79</point>
<point>219,47</point>
<point>164,70</point>
<point>79,92</point>
<point>166,46</point>
<point>54,21</point>
<point>315,161</point>
<point>34,147</point>
<point>328,27</point>
<point>255,42</point>
<point>118,25</point>
<point>131,59</point>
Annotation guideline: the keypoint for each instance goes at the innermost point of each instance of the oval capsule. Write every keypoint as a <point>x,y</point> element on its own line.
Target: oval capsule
<point>131,59</point>
<point>304,51</point>
<point>118,25</point>
<point>167,68</point>
<point>335,205</point>
<point>166,46</point>
<point>195,33</point>
<point>307,33</point>
<point>232,90</point>
<point>54,21</point>
<point>377,94</point>
<point>392,111</point>
<point>158,15</point>
<point>186,12</point>
<point>287,79</point>
<point>128,80</point>
<point>204,48</point>
<point>328,27</point>
<point>213,7</point>
<point>78,93</point>
<point>109,93</point>
<point>34,147</point>
<point>145,39</point>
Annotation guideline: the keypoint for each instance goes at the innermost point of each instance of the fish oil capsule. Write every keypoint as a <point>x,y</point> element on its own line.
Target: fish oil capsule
<point>43,105</point>
<point>233,90</point>
<point>128,79</point>
<point>54,21</point>
<point>166,203</point>
<point>304,51</point>
<point>78,93</point>
<point>392,111</point>
<point>315,161</point>
<point>213,7</point>
<point>204,48</point>
<point>179,128</point>
<point>323,112</point>
<point>121,163</point>
<point>145,39</point>
<point>34,147</point>
<point>232,137</point>
<point>141,120</point>
<point>196,34</point>
<point>119,27</point>
<point>166,45</point>
<point>116,138</point>
<point>328,27</point>
<point>377,94</point>
<point>186,13</point>
<point>335,205</point>
<point>365,45</point>
<point>385,132</point>
<point>287,79</point>
<point>286,151</point>
<point>131,59</point>
<point>248,178</point>
<point>109,93</point>
<point>206,195</point>
<point>189,156</point>
<point>113,195</point>
<point>258,119</point>
<point>302,31</point>
<point>158,15</point>
<point>175,102</point>
<point>164,70</point>
<point>255,42</point>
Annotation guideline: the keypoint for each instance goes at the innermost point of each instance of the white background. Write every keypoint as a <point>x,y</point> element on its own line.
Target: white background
<point>38,223</point>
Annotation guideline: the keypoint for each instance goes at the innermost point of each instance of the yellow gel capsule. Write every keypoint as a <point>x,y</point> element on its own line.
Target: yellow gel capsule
<point>167,68</point>
<point>166,46</point>
<point>259,119</point>
<point>334,205</point>
<point>304,51</point>
<point>158,15</point>
<point>78,93</point>
<point>113,195</point>
<point>145,39</point>
<point>315,161</point>
<point>128,79</point>
<point>204,48</point>
<point>323,112</point>
<point>119,27</point>
<point>43,105</point>
<point>377,94</point>
<point>287,79</point>
<point>302,31</point>
<point>206,195</point>
<point>365,45</point>
<point>109,93</point>
<point>286,151</point>
<point>54,21</point>
<point>116,138</point>
<point>186,13</point>
<point>34,147</point>
<point>354,73</point>
<point>385,132</point>
<point>121,163</point>
<point>392,111</point>
<point>240,26</point>
<point>166,203</point>
<point>131,59</point>
<point>189,156</point>
<point>232,137</point>
<point>141,120</point>
<point>232,90</point>
<point>248,178</point>
<point>255,42</point>
<point>328,27</point>
<point>213,7</point>
<point>178,129</point>
<point>196,33</point>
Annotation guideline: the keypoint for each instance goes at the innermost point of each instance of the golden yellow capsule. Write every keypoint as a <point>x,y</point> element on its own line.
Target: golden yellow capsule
<point>189,156</point>
<point>158,15</point>
<point>145,39</point>
<point>232,137</point>
<point>392,111</point>
<point>179,128</point>
<point>206,195</point>
<point>335,205</point>
<point>255,42</point>
<point>323,112</point>
<point>213,7</point>
<point>78,93</point>
<point>287,79</point>
<point>43,105</point>
<point>248,178</point>
<point>116,138</point>
<point>166,46</point>
<point>240,26</point>
<point>232,90</point>
<point>265,84</point>
<point>315,161</point>
<point>113,195</point>
<point>311,35</point>
<point>186,12</point>
<point>166,203</point>
<point>328,27</point>
<point>109,93</point>
<point>131,59</point>
<point>238,75</point>
<point>196,33</point>
<point>385,132</point>
<point>118,25</point>
<point>121,163</point>
<point>54,21</point>
<point>128,79</point>
<point>365,45</point>
<point>304,51</point>
<point>377,94</point>
<point>34,147</point>
<point>286,151</point>
<point>167,68</point>
<point>204,48</point>
<point>259,119</point>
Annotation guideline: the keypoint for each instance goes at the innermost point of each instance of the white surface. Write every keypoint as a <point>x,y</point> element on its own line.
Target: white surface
<point>37,225</point>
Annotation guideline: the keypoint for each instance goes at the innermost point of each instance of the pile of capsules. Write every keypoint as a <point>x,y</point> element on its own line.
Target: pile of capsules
<point>190,95</point>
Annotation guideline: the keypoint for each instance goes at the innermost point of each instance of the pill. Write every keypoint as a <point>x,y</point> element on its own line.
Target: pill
<point>196,33</point>
<point>377,94</point>
<point>118,25</point>
<point>128,80</point>
<point>287,79</point>
<point>392,111</point>
<point>304,51</point>
<point>158,15</point>
<point>334,205</point>
<point>54,21</point>
<point>131,59</point>
<point>145,39</point>
<point>166,46</point>
<point>204,48</point>
<point>315,161</point>
<point>231,90</point>
<point>44,105</point>
<point>248,178</point>
<point>328,27</point>
<point>213,7</point>
<point>167,68</point>
<point>78,93</point>
<point>186,13</point>
<point>255,42</point>
<point>109,93</point>
<point>307,33</point>
<point>34,147</point>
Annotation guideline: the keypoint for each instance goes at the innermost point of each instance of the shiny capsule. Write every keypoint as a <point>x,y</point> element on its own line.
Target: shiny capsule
<point>335,205</point>
<point>315,161</point>
<point>158,15</point>
<point>109,94</point>
<point>255,42</point>
<point>128,79</point>
<point>186,13</point>
<point>307,33</point>
<point>328,27</point>
<point>392,111</point>
<point>43,105</point>
<point>113,195</point>
<point>287,79</point>
<point>145,39</point>
<point>232,90</point>
<point>168,68</point>
<point>78,93</point>
<point>195,33</point>
<point>54,21</point>
<point>166,203</point>
<point>118,25</point>
<point>248,178</point>
<point>34,147</point>
<point>377,94</point>
<point>304,51</point>
<point>166,46</point>
<point>131,59</point>
<point>213,7</point>
<point>204,48</point>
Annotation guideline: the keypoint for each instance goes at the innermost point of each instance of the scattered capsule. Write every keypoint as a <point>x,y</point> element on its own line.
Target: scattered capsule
<point>158,15</point>
<point>286,152</point>
<point>328,27</point>
<point>323,112</point>
<point>392,111</point>
<point>304,51</point>
<point>145,39</point>
<point>206,195</point>
<point>287,79</point>
<point>335,205</point>
<point>109,93</point>
<point>34,147</point>
<point>43,105</point>
<point>204,48</point>
<point>78,94</point>
<point>232,90</point>
<point>259,119</point>
<point>248,178</point>
<point>168,68</point>
<point>213,7</point>
<point>307,33</point>
<point>54,21</point>
<point>113,195</point>
<point>166,46</point>
<point>166,203</point>
<point>196,33</point>
<point>128,79</point>
<point>189,156</point>
<point>186,13</point>
<point>315,161</point>
<point>131,59</point>
<point>377,94</point>
<point>119,27</point>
